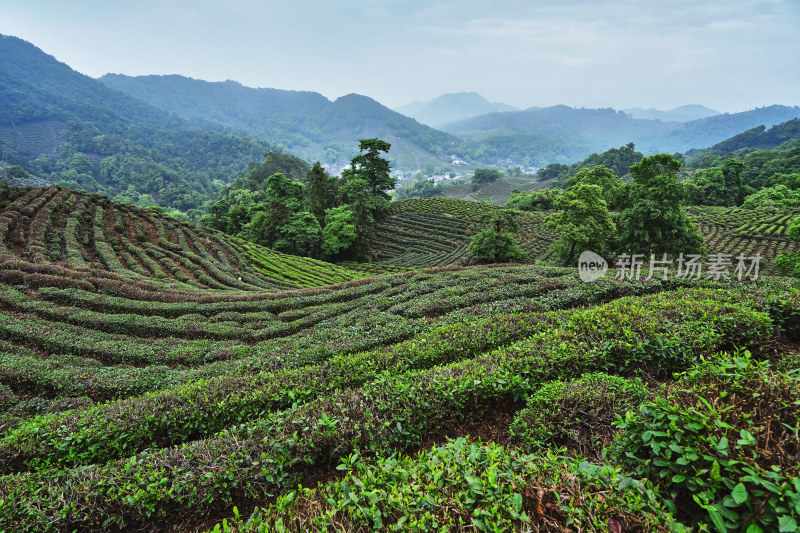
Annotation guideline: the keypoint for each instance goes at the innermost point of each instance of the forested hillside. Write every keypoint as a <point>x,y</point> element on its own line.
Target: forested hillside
<point>782,136</point>
<point>63,127</point>
<point>306,123</point>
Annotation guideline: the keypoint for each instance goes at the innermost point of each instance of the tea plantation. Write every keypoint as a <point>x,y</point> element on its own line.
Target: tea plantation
<point>436,231</point>
<point>158,376</point>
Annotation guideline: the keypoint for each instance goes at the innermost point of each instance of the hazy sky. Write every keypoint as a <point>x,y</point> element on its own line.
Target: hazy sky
<point>731,55</point>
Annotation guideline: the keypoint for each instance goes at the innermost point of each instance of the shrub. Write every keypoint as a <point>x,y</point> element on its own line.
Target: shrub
<point>466,486</point>
<point>578,413</point>
<point>723,443</point>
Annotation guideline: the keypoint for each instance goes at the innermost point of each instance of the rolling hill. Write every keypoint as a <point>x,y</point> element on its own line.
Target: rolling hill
<point>784,135</point>
<point>57,232</point>
<point>158,376</point>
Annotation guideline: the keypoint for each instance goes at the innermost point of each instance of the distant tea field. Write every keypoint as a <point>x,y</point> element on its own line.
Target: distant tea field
<point>436,232</point>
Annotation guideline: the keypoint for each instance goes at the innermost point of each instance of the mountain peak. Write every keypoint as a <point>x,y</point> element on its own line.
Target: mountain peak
<point>452,107</point>
<point>684,113</point>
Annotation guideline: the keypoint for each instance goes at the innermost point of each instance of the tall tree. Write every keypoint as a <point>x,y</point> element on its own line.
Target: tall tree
<point>582,221</point>
<point>321,191</point>
<point>365,189</point>
<point>373,168</point>
<point>602,176</point>
<point>653,219</point>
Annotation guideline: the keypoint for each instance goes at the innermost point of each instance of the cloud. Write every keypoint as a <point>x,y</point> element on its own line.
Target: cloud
<point>729,54</point>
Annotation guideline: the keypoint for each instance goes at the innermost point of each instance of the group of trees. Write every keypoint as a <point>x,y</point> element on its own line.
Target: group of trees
<point>497,243</point>
<point>724,186</point>
<point>486,175</point>
<point>619,160</point>
<point>311,214</point>
<point>650,215</point>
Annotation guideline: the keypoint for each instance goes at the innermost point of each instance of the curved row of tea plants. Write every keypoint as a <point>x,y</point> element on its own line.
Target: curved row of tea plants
<point>86,233</point>
<point>267,455</point>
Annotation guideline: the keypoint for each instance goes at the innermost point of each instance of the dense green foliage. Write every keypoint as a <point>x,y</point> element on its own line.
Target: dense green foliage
<point>497,243</point>
<point>720,185</point>
<point>764,154</point>
<point>485,175</point>
<point>540,200</point>
<point>286,205</point>
<point>582,221</point>
<point>463,485</point>
<point>758,138</point>
<point>653,219</point>
<point>420,189</point>
<point>723,444</point>
<point>578,413</point>
<point>603,177</point>
<point>618,160</point>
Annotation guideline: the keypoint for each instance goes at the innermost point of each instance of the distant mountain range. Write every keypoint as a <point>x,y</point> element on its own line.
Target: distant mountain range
<point>684,113</point>
<point>452,108</point>
<point>303,122</point>
<point>176,138</point>
<point>605,128</point>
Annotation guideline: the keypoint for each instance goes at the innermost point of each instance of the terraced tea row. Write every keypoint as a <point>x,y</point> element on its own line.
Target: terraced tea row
<point>87,234</point>
<point>436,232</point>
<point>154,374</point>
<point>107,347</point>
<point>284,424</point>
<point>744,231</point>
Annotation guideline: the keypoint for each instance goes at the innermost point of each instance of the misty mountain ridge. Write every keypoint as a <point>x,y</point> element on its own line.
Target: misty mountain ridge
<point>452,107</point>
<point>303,122</point>
<point>684,113</point>
<point>45,105</point>
<point>606,128</point>
<point>58,124</point>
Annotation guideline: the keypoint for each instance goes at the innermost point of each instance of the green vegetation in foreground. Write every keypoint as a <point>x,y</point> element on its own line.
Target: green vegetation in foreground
<point>156,374</point>
<point>716,450</point>
<point>392,410</point>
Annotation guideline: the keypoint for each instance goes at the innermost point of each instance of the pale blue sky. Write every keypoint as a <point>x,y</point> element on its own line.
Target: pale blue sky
<point>731,55</point>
